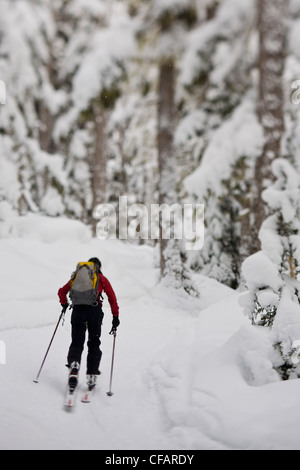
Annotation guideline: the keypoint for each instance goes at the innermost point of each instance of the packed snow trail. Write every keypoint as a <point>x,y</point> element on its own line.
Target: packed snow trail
<point>189,373</point>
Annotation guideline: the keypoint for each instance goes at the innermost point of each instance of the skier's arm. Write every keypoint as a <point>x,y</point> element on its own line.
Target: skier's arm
<point>111,296</point>
<point>62,293</point>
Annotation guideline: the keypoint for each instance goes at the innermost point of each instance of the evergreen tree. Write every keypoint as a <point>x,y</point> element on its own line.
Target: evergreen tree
<point>32,170</point>
<point>218,95</point>
<point>95,66</point>
<point>167,22</point>
<point>271,274</point>
<point>272,20</point>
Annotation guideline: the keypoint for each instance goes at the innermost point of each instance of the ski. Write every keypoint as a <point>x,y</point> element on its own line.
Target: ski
<point>72,385</point>
<point>87,396</point>
<point>70,399</point>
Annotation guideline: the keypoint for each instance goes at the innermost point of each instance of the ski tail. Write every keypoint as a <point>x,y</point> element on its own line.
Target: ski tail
<point>70,399</point>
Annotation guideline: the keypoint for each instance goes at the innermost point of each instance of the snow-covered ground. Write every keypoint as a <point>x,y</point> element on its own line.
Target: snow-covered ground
<point>189,373</point>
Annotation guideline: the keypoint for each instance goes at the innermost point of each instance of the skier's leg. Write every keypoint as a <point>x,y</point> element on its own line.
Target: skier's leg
<point>94,329</point>
<point>78,323</point>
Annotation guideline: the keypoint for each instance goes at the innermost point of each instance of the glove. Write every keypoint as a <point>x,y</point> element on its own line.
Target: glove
<point>64,307</point>
<point>115,322</point>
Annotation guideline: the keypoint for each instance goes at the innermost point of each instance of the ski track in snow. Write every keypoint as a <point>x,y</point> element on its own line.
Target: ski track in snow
<point>182,377</point>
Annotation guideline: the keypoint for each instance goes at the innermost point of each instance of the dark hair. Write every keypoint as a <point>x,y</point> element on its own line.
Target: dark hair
<point>97,262</point>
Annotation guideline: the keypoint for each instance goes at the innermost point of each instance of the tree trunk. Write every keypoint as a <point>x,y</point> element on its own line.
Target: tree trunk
<point>272,51</point>
<point>99,164</point>
<point>166,160</point>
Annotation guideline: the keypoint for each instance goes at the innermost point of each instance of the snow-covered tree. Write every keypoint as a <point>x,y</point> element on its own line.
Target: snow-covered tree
<point>167,24</point>
<point>85,123</point>
<point>271,274</point>
<point>32,175</point>
<point>220,128</point>
<point>272,22</point>
<point>95,66</point>
<point>280,232</point>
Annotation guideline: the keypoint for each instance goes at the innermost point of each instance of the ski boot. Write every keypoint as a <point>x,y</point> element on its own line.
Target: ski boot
<point>73,375</point>
<point>91,380</point>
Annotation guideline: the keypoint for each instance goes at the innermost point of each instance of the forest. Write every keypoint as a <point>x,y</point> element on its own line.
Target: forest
<point>164,102</point>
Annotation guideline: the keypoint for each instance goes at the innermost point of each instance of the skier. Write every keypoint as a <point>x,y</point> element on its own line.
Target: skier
<point>88,317</point>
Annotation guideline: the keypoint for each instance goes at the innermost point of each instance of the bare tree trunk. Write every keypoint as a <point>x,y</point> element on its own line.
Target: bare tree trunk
<point>272,51</point>
<point>166,163</point>
<point>99,164</point>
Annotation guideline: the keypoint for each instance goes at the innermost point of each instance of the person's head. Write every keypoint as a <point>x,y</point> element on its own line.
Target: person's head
<point>97,262</point>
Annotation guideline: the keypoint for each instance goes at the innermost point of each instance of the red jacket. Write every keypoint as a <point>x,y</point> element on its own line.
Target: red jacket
<point>103,285</point>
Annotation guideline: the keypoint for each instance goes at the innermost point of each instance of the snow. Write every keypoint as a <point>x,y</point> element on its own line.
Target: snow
<point>229,21</point>
<point>259,271</point>
<point>239,135</point>
<point>288,180</point>
<point>189,373</point>
<point>108,47</point>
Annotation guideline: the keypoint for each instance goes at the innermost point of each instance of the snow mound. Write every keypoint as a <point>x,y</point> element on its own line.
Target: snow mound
<point>49,229</point>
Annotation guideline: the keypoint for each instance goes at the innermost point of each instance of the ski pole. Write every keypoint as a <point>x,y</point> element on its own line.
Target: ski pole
<point>114,333</point>
<point>60,317</point>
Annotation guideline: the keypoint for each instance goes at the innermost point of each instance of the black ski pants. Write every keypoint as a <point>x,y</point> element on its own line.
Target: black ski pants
<point>86,317</point>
